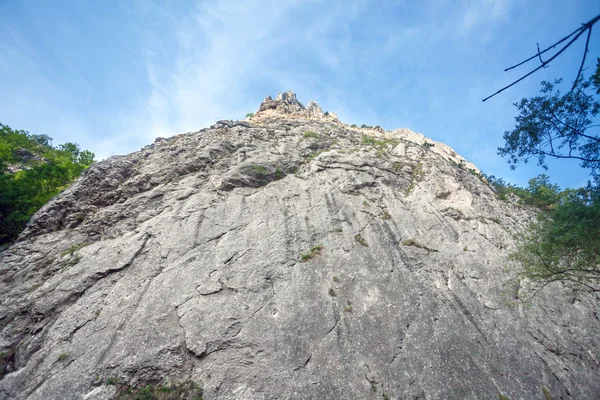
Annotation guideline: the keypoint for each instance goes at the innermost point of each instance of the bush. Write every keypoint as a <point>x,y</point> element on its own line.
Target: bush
<point>539,192</point>
<point>313,252</point>
<point>43,171</point>
<point>361,240</point>
<point>250,115</point>
<point>564,244</point>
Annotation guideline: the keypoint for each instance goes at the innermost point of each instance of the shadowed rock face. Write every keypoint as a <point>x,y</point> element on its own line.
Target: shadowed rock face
<point>285,257</point>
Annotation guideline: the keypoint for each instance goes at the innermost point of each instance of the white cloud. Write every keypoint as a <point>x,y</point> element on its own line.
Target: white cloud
<point>222,48</point>
<point>479,13</point>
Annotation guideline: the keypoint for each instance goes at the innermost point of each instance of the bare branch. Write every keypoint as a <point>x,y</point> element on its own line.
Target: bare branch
<point>539,54</point>
<point>587,43</point>
<point>547,49</point>
<point>577,33</point>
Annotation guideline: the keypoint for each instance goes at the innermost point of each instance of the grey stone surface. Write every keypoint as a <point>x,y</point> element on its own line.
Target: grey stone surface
<point>183,262</point>
<point>314,110</point>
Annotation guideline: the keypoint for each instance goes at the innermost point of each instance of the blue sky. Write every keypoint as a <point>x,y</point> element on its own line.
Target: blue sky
<point>113,75</point>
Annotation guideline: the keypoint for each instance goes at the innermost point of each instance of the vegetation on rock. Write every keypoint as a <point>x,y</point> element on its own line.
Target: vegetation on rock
<point>188,391</point>
<point>32,171</point>
<point>564,244</point>
<point>311,134</point>
<point>314,251</point>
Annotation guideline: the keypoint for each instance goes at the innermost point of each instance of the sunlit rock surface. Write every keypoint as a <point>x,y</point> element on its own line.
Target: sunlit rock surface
<point>287,256</point>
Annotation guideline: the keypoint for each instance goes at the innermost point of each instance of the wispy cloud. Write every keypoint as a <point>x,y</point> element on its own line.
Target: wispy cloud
<point>220,50</point>
<point>481,13</point>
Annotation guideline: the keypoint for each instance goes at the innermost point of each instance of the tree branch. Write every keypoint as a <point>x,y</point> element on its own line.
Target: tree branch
<point>578,32</point>
<point>562,156</point>
<point>547,49</point>
<point>539,54</point>
<point>587,43</point>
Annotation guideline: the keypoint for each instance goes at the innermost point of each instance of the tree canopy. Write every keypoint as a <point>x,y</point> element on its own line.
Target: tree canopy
<point>32,171</point>
<point>556,125</point>
<point>564,244</point>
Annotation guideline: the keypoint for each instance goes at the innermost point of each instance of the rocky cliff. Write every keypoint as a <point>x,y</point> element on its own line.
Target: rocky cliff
<point>287,256</point>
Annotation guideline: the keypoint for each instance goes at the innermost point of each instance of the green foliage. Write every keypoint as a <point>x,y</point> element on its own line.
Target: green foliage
<point>74,258</point>
<point>414,243</point>
<point>62,356</point>
<point>370,140</point>
<point>111,381</point>
<point>311,134</point>
<point>250,115</point>
<point>42,171</point>
<point>313,252</point>
<point>381,144</point>
<point>558,126</point>
<point>503,189</point>
<point>361,240</point>
<point>72,249</point>
<point>596,77</point>
<point>279,174</point>
<point>261,174</point>
<point>428,144</point>
<point>542,193</point>
<point>260,170</point>
<point>539,193</point>
<point>564,244</point>
<point>417,176</point>
<point>187,390</point>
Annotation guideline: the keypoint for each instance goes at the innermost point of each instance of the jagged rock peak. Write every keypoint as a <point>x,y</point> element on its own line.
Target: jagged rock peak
<point>287,105</point>
<point>314,110</point>
<point>289,98</point>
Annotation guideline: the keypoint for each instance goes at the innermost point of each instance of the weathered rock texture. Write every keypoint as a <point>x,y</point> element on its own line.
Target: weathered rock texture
<point>286,257</point>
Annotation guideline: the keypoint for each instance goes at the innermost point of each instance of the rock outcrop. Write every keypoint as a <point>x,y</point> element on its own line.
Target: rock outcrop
<point>287,256</point>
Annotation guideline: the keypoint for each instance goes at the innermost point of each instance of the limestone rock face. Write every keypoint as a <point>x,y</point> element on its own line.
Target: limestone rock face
<point>314,110</point>
<point>285,257</point>
<point>285,102</point>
